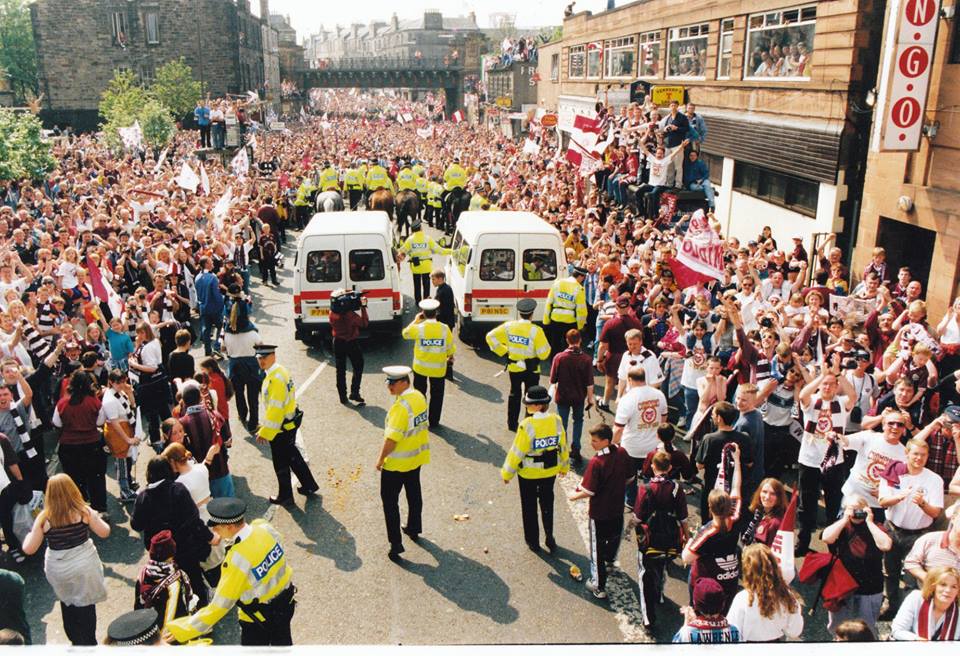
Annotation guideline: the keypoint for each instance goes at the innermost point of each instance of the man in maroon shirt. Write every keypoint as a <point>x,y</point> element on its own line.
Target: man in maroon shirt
<point>613,344</point>
<point>268,214</point>
<point>604,482</point>
<point>572,373</point>
<point>345,328</point>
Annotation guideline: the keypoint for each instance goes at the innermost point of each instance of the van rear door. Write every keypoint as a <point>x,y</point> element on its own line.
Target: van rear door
<point>496,279</point>
<point>371,271</point>
<point>541,262</point>
<point>321,272</point>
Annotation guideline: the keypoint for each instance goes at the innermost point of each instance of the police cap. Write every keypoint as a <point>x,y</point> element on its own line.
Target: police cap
<point>226,510</point>
<point>137,627</point>
<point>416,225</point>
<point>263,350</point>
<point>429,305</point>
<point>536,395</point>
<point>526,306</point>
<point>397,372</point>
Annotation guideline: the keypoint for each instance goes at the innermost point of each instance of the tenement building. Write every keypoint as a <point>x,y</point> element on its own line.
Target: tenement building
<point>782,85</point>
<point>81,44</point>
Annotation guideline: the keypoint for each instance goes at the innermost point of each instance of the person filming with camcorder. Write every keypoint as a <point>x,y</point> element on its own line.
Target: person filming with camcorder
<point>348,316</point>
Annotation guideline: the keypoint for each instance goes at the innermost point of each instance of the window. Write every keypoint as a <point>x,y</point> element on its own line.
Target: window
<point>539,264</point>
<point>147,74</point>
<point>780,43</point>
<point>650,54</point>
<point>151,23</point>
<point>366,266</point>
<point>324,266</point>
<point>555,67</point>
<point>787,191</point>
<point>687,54</point>
<point>620,57</point>
<point>497,264</point>
<point>715,164</point>
<point>461,252</point>
<point>577,62</point>
<point>118,28</point>
<point>594,59</point>
<point>725,48</point>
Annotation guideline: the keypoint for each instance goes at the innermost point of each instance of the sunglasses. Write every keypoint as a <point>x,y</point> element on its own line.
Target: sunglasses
<point>896,424</point>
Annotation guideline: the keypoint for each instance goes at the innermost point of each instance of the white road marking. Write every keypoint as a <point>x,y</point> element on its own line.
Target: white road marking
<point>620,589</point>
<point>309,381</point>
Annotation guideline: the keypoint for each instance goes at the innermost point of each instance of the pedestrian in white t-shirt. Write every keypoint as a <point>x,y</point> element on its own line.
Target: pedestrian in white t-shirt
<point>638,356</point>
<point>875,451</point>
<point>639,412</point>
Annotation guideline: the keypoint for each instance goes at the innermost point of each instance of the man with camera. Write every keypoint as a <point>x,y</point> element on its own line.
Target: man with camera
<point>348,316</point>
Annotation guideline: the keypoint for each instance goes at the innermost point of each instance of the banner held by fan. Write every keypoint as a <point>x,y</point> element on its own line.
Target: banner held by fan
<point>700,257</point>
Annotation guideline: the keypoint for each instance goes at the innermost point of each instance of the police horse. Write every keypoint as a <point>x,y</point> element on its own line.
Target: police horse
<point>407,206</point>
<point>329,201</point>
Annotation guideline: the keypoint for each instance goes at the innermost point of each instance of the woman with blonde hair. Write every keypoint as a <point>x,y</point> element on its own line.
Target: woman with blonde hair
<point>767,609</point>
<point>72,565</point>
<point>931,613</point>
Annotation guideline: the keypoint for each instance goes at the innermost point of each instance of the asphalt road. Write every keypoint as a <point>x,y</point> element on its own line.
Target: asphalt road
<point>471,581</point>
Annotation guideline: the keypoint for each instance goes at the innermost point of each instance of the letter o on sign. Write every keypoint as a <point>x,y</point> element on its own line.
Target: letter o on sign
<point>920,12</point>
<point>905,112</point>
<point>913,62</point>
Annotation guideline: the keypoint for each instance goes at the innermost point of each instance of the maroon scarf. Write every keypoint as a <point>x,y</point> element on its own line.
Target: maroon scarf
<point>947,628</point>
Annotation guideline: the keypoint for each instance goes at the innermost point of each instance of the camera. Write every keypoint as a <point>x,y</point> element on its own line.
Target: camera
<point>859,514</point>
<point>346,302</point>
<point>849,363</point>
<point>766,322</point>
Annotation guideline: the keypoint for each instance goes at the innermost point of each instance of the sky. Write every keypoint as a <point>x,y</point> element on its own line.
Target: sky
<point>308,15</point>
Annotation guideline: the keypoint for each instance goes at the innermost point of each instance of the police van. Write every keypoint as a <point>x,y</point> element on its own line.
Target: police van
<point>352,251</point>
<point>497,259</point>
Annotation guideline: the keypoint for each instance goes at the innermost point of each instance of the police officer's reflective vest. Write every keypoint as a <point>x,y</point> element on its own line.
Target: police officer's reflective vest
<point>406,180</point>
<point>254,572</point>
<point>353,180</point>
<point>523,340</point>
<point>566,303</point>
<point>279,398</point>
<point>406,424</point>
<point>422,184</point>
<point>419,170</point>
<point>419,247</point>
<point>303,194</point>
<point>454,177</point>
<point>435,194</point>
<point>432,346</point>
<point>329,179</point>
<point>539,449</point>
<point>377,178</point>
<point>477,202</point>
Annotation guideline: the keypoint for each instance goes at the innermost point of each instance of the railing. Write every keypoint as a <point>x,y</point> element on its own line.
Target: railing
<point>388,64</point>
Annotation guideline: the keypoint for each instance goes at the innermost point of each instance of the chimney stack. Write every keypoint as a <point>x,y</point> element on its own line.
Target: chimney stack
<point>265,11</point>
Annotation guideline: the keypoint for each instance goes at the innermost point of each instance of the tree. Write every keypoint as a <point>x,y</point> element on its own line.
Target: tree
<point>175,87</point>
<point>122,99</point>
<point>18,56</point>
<point>156,123</point>
<point>124,102</point>
<point>23,152</point>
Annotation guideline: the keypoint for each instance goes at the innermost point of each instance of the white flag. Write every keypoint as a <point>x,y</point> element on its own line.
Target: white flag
<point>407,116</point>
<point>240,165</point>
<point>204,180</point>
<point>132,136</point>
<point>188,179</point>
<point>531,147</point>
<point>160,161</point>
<point>400,118</point>
<point>252,97</point>
<point>253,142</point>
<point>222,207</point>
<point>425,133</point>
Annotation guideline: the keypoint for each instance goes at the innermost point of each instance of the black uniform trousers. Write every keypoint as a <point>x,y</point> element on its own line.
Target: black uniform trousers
<point>432,215</point>
<point>342,349</point>
<point>286,457</point>
<point>810,480</point>
<point>535,491</point>
<point>437,385</point>
<point>520,382</point>
<point>86,464</point>
<point>275,630</point>
<point>355,196</point>
<point>391,483</point>
<point>556,333</point>
<point>421,286</point>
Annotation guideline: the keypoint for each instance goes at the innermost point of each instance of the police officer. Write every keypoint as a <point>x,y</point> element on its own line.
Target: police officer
<point>538,454</point>
<point>301,203</point>
<point>406,179</point>
<point>524,343</point>
<point>135,628</point>
<point>406,448</point>
<point>329,178</point>
<point>455,177</point>
<point>254,575</point>
<point>353,185</point>
<point>433,349</point>
<point>566,307</point>
<point>419,247</point>
<point>279,424</point>
<point>378,178</point>
<point>434,213</point>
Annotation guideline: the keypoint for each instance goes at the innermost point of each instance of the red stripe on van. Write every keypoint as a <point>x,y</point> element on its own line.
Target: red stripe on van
<point>323,295</point>
<point>509,293</point>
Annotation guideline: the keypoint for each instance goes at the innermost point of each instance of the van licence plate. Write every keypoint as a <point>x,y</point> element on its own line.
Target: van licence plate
<point>494,311</point>
<point>319,312</point>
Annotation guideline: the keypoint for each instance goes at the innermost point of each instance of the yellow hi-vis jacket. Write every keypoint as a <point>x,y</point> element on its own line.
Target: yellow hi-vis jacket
<point>419,170</point>
<point>406,179</point>
<point>523,340</point>
<point>255,569</point>
<point>422,246</point>
<point>377,178</point>
<point>353,180</point>
<point>455,176</point>
<point>539,449</point>
<point>303,193</point>
<point>432,346</point>
<point>279,398</point>
<point>422,185</point>
<point>406,424</point>
<point>329,179</point>
<point>434,194</point>
<point>566,303</point>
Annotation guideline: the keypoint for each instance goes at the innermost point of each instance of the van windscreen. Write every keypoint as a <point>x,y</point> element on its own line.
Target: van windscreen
<point>324,266</point>
<point>366,265</point>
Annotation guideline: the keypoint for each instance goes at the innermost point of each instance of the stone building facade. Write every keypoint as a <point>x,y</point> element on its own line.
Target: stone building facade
<point>81,44</point>
<point>291,53</point>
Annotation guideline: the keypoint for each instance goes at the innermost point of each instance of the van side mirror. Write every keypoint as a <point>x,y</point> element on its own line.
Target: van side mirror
<point>444,242</point>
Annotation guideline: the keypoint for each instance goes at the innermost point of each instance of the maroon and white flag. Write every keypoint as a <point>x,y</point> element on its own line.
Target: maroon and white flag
<point>457,116</point>
<point>784,543</point>
<point>700,257</point>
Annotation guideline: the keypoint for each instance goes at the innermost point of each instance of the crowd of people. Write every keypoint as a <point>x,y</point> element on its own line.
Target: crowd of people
<point>111,272</point>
